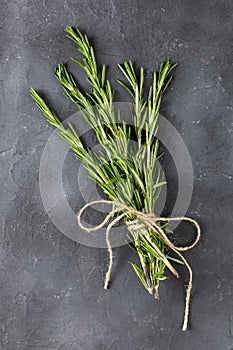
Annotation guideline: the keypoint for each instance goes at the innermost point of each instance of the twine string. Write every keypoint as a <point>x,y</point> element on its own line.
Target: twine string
<point>141,222</point>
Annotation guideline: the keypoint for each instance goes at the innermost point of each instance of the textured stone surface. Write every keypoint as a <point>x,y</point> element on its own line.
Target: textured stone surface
<point>51,288</point>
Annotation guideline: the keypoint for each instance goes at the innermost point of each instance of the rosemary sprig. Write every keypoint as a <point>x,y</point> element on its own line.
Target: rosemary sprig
<point>137,165</point>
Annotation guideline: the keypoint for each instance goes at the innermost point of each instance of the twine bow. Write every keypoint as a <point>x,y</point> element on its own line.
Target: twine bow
<point>142,222</point>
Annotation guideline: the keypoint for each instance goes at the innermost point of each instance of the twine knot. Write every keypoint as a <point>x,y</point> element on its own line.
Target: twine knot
<point>142,221</point>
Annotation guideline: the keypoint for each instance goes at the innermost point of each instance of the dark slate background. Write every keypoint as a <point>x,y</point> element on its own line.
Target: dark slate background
<point>51,288</point>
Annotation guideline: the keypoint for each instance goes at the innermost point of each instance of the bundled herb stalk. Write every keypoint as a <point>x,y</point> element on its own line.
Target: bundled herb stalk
<point>129,174</point>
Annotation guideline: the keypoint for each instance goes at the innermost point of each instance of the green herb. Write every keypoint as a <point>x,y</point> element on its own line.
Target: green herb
<point>136,165</point>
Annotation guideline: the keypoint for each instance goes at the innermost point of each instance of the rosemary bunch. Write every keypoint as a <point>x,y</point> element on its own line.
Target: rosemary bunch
<point>128,174</point>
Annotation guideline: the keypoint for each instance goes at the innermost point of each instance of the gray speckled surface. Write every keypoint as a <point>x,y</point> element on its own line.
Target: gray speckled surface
<point>51,288</point>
